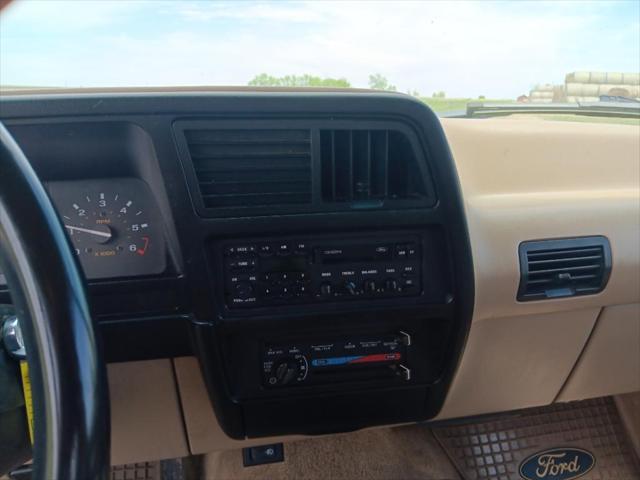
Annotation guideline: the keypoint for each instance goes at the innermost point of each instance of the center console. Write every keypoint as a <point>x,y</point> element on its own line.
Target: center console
<point>318,260</point>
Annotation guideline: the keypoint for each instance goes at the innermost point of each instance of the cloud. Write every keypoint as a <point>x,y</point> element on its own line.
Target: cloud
<point>464,48</point>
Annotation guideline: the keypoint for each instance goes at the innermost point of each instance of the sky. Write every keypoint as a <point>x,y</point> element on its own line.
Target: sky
<point>466,49</point>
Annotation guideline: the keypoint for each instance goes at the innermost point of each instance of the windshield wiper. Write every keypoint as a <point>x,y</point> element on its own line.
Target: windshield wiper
<point>598,109</point>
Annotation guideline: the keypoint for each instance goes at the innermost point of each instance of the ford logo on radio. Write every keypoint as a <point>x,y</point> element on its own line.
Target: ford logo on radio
<point>557,464</point>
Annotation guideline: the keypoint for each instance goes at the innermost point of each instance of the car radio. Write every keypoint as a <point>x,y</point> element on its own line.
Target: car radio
<point>321,270</point>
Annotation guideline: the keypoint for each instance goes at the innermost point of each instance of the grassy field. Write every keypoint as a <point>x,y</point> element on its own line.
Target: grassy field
<point>592,119</point>
<point>441,105</point>
<point>444,105</point>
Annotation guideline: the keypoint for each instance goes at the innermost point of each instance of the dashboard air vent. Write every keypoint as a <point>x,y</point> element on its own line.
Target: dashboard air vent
<point>563,268</point>
<point>248,168</point>
<point>370,168</point>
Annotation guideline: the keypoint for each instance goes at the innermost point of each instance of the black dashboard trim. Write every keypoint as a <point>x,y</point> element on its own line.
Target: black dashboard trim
<point>189,235</point>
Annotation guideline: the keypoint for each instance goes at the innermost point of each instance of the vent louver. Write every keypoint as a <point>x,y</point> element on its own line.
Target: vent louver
<point>375,166</point>
<point>563,268</point>
<point>251,168</point>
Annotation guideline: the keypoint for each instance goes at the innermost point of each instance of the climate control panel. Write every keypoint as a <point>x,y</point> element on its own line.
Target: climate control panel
<point>292,271</point>
<point>345,359</point>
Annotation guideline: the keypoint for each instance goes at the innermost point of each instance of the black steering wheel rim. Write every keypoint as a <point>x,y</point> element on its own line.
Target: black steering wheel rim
<point>67,371</point>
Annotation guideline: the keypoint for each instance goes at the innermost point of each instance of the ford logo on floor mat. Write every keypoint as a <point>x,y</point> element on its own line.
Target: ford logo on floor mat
<point>557,464</point>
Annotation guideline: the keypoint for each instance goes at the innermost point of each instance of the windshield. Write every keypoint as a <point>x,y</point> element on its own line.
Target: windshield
<point>445,53</point>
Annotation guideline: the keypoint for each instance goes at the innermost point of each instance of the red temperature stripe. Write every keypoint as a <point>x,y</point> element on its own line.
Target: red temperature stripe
<point>379,357</point>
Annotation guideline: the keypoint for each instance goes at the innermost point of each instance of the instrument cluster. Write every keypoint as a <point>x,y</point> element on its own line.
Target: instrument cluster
<point>113,225</point>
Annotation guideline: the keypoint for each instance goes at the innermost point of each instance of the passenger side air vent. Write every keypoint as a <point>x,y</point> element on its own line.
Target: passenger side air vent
<point>251,168</point>
<point>370,168</point>
<point>563,268</point>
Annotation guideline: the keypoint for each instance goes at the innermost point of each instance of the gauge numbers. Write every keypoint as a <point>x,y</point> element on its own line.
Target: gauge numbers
<point>112,225</point>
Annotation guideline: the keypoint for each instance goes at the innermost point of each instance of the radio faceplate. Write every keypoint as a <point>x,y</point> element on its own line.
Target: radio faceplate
<point>321,270</point>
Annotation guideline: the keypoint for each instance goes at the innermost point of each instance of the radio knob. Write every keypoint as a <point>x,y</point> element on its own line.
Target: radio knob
<point>326,289</point>
<point>391,285</point>
<point>350,288</point>
<point>370,286</point>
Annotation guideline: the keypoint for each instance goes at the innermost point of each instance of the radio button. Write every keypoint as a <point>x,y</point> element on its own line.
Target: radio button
<point>243,278</point>
<point>265,250</point>
<point>244,264</point>
<point>237,250</point>
<point>243,290</point>
<point>283,249</point>
<point>286,291</point>
<point>299,290</point>
<point>409,282</point>
<point>401,252</point>
<point>300,276</point>
<point>301,248</point>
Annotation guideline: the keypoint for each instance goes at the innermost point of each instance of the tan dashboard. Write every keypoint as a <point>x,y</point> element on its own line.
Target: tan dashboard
<point>522,179</point>
<point>530,179</point>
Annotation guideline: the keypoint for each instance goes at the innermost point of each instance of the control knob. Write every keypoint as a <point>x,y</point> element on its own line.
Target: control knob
<point>288,370</point>
<point>370,286</point>
<point>350,288</point>
<point>326,289</point>
<point>391,285</point>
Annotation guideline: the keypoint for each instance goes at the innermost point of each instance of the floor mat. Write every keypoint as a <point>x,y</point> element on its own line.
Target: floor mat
<point>136,471</point>
<point>398,453</point>
<point>495,448</point>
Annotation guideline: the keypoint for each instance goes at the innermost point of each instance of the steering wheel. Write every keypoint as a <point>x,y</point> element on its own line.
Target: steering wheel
<point>67,372</point>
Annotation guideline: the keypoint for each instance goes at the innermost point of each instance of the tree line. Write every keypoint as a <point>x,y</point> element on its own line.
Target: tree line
<point>377,81</point>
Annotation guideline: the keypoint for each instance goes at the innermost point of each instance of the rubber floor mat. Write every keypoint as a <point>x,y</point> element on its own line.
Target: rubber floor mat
<point>497,447</point>
<point>136,471</point>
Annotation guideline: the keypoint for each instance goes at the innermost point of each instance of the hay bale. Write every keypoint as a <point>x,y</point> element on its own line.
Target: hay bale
<point>619,90</point>
<point>614,78</point>
<point>541,100</point>
<point>537,94</point>
<point>631,79</point>
<point>578,77</point>
<point>547,87</point>
<point>558,93</point>
<point>582,89</point>
<point>598,77</point>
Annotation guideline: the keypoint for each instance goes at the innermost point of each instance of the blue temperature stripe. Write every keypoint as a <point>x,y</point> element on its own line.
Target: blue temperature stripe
<point>325,362</point>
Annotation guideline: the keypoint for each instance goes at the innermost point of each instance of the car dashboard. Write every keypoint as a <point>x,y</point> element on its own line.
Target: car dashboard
<point>310,249</point>
<point>271,264</point>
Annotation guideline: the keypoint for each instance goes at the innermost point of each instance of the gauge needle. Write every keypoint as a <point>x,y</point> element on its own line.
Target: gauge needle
<point>87,230</point>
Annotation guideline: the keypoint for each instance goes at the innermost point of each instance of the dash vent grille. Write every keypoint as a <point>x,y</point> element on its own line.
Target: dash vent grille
<point>563,268</point>
<point>251,168</point>
<point>369,166</point>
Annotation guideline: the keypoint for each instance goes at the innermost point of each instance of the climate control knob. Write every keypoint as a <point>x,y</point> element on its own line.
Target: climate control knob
<point>286,370</point>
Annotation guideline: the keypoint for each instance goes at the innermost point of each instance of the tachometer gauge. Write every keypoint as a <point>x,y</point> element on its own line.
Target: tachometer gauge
<point>113,225</point>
